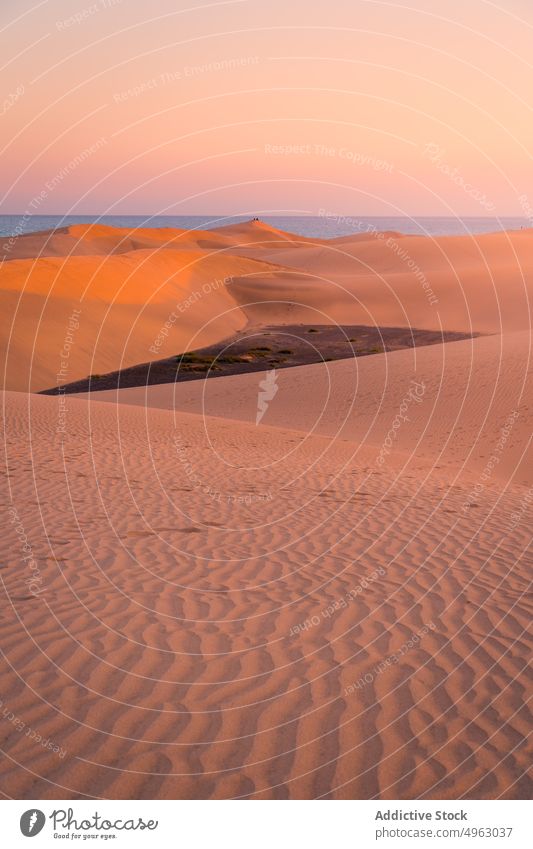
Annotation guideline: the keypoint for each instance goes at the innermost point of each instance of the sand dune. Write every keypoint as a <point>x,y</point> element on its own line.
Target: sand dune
<point>331,604</point>
<point>198,287</point>
<point>482,283</point>
<point>127,304</point>
<point>223,610</point>
<point>91,240</point>
<point>103,239</point>
<point>162,289</point>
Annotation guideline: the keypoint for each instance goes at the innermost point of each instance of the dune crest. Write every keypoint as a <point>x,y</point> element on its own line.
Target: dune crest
<point>198,287</point>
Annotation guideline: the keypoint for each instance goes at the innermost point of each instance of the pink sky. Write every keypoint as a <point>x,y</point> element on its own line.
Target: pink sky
<point>354,106</point>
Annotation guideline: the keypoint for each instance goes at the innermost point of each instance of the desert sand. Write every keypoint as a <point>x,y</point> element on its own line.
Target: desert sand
<point>120,297</point>
<point>333,603</point>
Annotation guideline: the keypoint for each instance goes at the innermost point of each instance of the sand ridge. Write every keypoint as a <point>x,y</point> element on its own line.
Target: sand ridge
<point>185,289</point>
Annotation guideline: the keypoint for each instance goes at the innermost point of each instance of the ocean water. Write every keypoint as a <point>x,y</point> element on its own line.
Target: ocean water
<point>323,227</point>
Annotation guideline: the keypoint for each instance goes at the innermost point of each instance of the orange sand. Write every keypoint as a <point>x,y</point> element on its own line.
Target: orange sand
<point>200,287</point>
<point>215,609</point>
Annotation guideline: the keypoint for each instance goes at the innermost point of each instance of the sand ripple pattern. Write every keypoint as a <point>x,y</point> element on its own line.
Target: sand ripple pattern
<point>186,626</point>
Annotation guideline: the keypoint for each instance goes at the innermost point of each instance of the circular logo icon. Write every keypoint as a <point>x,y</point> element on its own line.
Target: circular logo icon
<point>32,822</point>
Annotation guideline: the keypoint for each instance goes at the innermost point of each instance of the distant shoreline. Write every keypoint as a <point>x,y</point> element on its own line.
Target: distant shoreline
<point>329,224</point>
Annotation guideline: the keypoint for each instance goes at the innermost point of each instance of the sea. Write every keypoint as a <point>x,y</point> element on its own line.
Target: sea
<point>326,226</point>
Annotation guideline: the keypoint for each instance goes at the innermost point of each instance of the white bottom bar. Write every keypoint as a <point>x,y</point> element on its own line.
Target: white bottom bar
<point>268,825</point>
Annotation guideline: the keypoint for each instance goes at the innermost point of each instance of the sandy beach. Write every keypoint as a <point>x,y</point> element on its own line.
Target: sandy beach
<point>331,603</point>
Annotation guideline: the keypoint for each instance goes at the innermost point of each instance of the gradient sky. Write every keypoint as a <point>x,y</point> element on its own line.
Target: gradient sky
<point>355,106</point>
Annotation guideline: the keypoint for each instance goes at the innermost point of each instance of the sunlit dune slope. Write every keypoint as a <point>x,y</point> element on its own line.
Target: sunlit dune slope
<point>148,293</point>
<point>132,307</point>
